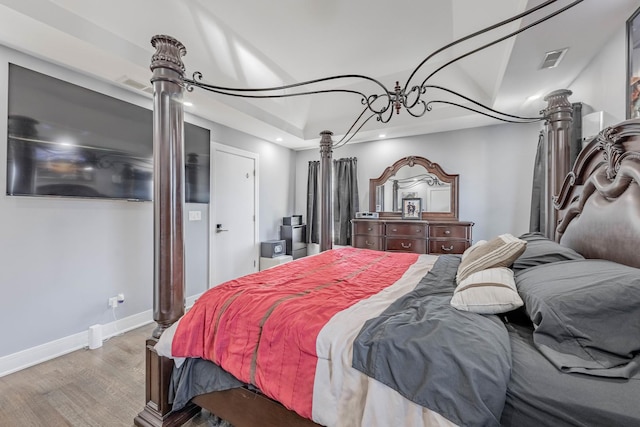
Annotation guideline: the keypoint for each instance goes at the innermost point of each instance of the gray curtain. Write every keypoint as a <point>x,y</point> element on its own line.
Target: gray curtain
<point>576,128</point>
<point>538,217</point>
<point>313,217</point>
<point>537,220</point>
<point>345,198</point>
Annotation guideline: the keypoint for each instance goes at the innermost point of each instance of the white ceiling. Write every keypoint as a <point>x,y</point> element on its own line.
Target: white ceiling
<point>257,43</point>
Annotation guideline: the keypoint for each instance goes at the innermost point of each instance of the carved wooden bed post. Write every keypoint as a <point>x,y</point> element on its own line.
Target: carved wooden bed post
<point>168,230</point>
<point>325,190</point>
<point>558,129</point>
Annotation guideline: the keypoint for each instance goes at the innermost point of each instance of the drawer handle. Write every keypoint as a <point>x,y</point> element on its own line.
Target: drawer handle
<point>395,229</point>
<point>369,229</point>
<point>447,249</point>
<point>418,230</point>
<point>447,231</point>
<point>366,242</point>
<point>404,245</point>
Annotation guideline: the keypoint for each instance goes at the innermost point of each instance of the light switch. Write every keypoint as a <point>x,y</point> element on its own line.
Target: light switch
<point>195,215</point>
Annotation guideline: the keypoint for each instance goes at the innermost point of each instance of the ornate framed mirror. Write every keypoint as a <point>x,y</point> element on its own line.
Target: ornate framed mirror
<point>410,178</point>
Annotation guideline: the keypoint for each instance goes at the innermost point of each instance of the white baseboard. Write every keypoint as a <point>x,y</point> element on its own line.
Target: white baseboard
<point>41,353</point>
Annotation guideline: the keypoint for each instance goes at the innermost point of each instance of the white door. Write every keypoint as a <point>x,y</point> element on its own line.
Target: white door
<point>234,228</point>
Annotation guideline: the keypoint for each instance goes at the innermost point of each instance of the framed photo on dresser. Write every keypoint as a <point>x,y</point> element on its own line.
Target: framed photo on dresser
<point>411,208</point>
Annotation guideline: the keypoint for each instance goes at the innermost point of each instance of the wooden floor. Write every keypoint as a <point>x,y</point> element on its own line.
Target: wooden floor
<point>101,387</point>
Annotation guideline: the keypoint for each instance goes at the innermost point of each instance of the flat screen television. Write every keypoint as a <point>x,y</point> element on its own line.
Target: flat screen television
<point>68,141</point>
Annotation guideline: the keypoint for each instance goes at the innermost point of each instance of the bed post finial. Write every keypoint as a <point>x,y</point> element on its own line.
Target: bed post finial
<point>169,53</point>
<point>326,150</point>
<point>559,130</point>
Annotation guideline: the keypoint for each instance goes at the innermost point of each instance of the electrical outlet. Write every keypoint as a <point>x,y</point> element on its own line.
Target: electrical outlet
<point>113,302</point>
<point>120,298</point>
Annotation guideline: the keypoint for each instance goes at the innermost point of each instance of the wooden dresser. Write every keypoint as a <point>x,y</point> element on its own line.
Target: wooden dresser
<point>423,237</point>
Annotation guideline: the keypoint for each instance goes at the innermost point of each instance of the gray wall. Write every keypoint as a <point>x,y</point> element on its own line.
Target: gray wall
<point>495,164</point>
<point>61,259</point>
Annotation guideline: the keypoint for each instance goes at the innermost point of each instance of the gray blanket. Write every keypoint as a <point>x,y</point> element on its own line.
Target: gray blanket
<point>453,362</point>
<point>198,376</point>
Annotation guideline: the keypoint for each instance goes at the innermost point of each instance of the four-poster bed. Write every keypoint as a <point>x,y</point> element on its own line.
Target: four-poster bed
<point>598,211</point>
<point>596,208</point>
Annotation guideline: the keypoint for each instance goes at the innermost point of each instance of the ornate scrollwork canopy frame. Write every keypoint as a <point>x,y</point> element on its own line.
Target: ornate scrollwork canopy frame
<point>416,98</point>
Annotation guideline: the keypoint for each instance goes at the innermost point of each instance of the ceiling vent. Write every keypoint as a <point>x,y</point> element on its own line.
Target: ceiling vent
<point>553,58</point>
<point>134,84</point>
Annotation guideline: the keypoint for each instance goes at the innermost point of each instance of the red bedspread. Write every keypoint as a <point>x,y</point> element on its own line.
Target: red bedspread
<point>262,328</point>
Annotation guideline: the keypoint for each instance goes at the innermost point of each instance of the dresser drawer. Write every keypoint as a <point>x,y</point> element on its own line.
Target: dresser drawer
<point>368,228</point>
<point>413,230</point>
<point>418,246</point>
<point>368,242</point>
<point>449,231</point>
<point>447,246</point>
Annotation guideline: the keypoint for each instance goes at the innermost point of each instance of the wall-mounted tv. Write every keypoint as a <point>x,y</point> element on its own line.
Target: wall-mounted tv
<point>69,141</point>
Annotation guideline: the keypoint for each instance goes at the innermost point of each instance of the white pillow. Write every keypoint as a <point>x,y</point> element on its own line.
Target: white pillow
<point>489,291</point>
<point>472,248</point>
<point>499,252</point>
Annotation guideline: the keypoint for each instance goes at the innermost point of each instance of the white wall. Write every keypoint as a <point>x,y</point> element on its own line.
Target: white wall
<point>495,164</point>
<point>602,84</point>
<point>61,259</point>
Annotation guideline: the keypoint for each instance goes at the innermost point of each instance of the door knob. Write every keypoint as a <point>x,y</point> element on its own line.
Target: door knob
<point>219,228</point>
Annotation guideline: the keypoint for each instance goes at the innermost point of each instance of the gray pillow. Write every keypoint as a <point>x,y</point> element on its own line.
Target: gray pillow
<point>586,315</point>
<point>541,250</point>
